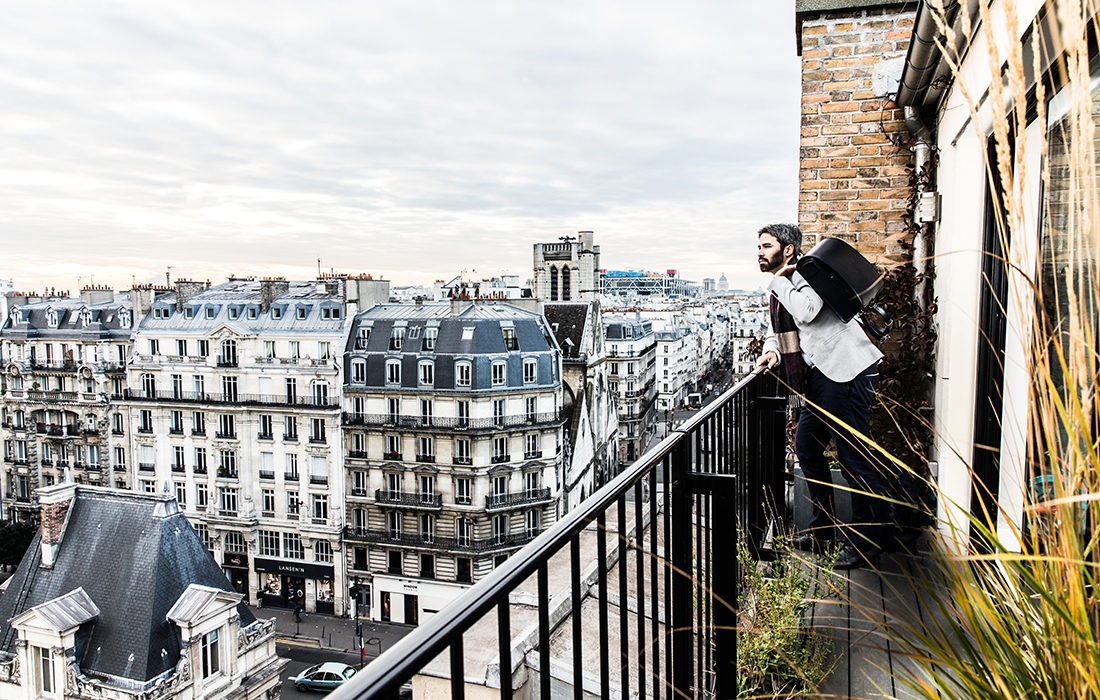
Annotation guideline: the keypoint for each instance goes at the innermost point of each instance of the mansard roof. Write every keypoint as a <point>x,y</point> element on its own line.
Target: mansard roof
<point>134,555</point>
<point>476,329</point>
<point>69,319</point>
<point>307,308</point>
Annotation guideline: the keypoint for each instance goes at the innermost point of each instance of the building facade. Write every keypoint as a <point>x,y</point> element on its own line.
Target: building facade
<point>233,406</point>
<point>453,431</point>
<point>63,371</point>
<point>632,353</point>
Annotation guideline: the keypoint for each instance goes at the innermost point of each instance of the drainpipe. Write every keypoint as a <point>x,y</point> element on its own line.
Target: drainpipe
<point>927,210</point>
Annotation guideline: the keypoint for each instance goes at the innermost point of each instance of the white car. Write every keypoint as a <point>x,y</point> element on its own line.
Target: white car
<point>327,676</point>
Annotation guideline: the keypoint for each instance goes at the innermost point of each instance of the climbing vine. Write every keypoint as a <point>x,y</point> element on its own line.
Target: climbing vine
<point>899,421</point>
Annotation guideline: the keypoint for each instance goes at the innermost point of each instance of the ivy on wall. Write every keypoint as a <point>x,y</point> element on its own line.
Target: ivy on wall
<point>900,419</point>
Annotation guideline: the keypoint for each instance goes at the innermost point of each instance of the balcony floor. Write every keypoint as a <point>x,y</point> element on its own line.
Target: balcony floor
<point>866,665</point>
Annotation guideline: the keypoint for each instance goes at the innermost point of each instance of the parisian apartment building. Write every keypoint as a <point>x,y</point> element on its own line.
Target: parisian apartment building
<point>632,354</point>
<point>64,368</point>
<point>232,405</point>
<point>453,422</point>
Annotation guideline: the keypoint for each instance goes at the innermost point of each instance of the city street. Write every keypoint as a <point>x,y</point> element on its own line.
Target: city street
<point>320,638</point>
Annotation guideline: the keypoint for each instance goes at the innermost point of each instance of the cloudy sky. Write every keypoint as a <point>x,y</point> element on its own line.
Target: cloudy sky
<point>408,139</point>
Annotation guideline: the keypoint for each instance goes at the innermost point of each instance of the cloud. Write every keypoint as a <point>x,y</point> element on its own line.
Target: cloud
<point>411,139</point>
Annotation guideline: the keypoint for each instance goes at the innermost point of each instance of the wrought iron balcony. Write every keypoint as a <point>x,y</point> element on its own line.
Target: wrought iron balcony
<point>446,423</point>
<point>420,501</point>
<point>230,398</point>
<point>506,501</point>
<point>454,544</point>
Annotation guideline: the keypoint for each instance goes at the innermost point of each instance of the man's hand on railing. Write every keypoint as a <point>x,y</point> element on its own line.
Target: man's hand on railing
<point>767,360</point>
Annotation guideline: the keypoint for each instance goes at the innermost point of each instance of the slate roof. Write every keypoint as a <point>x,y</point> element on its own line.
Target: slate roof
<point>232,303</point>
<point>568,322</point>
<point>134,554</point>
<point>473,335</point>
<point>31,320</point>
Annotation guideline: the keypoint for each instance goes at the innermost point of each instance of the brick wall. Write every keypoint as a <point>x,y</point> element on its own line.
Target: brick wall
<point>53,520</point>
<point>853,182</point>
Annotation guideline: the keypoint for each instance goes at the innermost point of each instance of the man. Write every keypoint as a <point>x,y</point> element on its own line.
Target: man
<point>835,366</point>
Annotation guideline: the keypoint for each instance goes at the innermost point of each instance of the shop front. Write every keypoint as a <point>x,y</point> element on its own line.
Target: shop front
<point>410,601</point>
<point>236,570</point>
<point>287,584</point>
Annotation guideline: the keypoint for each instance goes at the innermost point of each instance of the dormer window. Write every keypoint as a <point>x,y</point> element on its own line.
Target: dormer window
<point>125,318</point>
<point>189,312</point>
<point>276,312</point>
<point>51,318</point>
<point>301,312</point>
<point>430,334</point>
<point>397,335</point>
<point>361,338</point>
<point>251,312</point>
<point>210,312</point>
<point>510,342</point>
<point>233,311</point>
<point>86,318</point>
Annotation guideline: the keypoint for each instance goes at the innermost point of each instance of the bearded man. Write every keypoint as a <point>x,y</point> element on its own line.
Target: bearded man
<point>835,367</point>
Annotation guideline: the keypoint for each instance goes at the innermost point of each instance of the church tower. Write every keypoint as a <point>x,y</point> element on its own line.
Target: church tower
<point>569,270</point>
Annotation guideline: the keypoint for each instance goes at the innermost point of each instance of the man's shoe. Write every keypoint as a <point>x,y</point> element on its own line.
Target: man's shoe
<point>852,558</point>
<point>809,542</point>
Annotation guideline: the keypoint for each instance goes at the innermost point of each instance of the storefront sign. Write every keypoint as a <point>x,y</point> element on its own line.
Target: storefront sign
<point>292,568</point>
<point>237,561</point>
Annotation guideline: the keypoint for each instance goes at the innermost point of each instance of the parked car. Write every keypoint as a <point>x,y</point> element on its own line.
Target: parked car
<point>326,676</point>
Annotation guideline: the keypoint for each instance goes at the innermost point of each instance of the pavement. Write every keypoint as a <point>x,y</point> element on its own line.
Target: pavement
<point>328,632</point>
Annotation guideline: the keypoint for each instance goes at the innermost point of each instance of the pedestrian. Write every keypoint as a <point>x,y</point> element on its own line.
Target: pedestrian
<point>835,367</point>
<point>298,610</point>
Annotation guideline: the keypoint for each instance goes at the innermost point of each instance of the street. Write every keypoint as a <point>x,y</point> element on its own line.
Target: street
<point>302,656</point>
<point>320,638</point>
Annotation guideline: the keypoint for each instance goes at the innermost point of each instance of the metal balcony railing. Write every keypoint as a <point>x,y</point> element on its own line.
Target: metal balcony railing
<point>230,398</point>
<point>433,501</point>
<point>504,501</point>
<point>456,544</point>
<point>389,420</point>
<point>712,481</point>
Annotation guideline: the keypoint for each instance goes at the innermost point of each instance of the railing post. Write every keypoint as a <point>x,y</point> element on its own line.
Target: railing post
<point>725,578</point>
<point>763,488</point>
<point>683,612</point>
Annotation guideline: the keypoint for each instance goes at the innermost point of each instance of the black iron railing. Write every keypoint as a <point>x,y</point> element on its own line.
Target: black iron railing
<point>665,532</point>
<point>391,420</point>
<point>231,398</point>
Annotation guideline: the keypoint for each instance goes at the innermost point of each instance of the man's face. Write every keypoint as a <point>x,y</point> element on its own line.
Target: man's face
<point>769,253</point>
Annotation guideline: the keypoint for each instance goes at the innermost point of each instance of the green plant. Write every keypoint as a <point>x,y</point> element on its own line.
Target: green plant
<point>776,656</point>
<point>1015,610</point>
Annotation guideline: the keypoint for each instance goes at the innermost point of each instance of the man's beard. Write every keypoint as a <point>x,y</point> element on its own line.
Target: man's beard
<point>773,263</point>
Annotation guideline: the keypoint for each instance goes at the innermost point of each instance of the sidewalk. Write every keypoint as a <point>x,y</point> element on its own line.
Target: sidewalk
<point>328,632</point>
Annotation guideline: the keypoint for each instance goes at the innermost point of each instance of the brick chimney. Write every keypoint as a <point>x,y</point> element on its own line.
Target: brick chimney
<point>185,289</point>
<point>270,290</point>
<point>54,502</point>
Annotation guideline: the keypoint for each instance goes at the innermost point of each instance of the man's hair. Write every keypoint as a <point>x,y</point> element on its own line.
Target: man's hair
<point>786,234</point>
